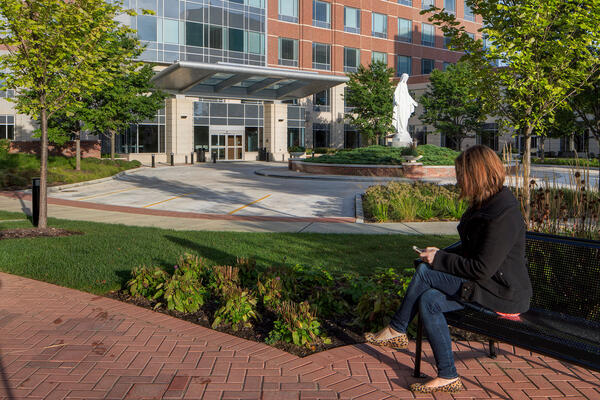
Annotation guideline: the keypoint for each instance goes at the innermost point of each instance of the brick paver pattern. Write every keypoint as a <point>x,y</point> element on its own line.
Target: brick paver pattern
<point>59,343</point>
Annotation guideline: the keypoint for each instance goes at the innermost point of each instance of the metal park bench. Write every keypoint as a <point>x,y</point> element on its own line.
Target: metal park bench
<point>564,319</point>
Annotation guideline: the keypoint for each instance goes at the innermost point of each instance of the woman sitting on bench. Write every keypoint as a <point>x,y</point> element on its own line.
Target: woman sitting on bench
<point>488,269</point>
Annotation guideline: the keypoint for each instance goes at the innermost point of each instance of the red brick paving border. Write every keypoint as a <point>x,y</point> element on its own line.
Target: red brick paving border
<point>58,343</point>
<point>177,214</point>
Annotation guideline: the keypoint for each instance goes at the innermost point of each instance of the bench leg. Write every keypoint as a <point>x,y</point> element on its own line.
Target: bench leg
<point>492,349</point>
<point>417,370</point>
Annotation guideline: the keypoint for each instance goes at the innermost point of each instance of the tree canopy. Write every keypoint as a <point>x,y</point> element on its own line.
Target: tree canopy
<point>370,91</point>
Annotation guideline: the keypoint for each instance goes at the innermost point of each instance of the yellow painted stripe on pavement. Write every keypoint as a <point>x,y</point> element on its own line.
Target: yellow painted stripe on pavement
<point>164,201</point>
<point>107,194</point>
<point>249,204</point>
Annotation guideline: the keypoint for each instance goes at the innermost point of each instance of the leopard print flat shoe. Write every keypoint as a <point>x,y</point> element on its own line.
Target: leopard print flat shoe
<point>397,342</point>
<point>451,387</point>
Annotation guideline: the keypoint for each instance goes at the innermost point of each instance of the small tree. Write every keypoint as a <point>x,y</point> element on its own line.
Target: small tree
<point>451,105</point>
<point>55,52</point>
<point>371,93</point>
<point>546,53</point>
<point>586,106</point>
<point>127,99</point>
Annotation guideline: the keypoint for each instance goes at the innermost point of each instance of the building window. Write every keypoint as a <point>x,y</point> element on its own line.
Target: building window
<point>7,127</point>
<point>489,136</point>
<point>427,66</point>
<point>146,28</point>
<point>321,101</point>
<point>351,20</point>
<point>404,65</point>
<point>216,37</point>
<point>288,10</point>
<point>469,16</point>
<point>447,40</point>
<point>351,59</point>
<point>471,35</point>
<point>295,137</point>
<point>351,137</point>
<point>194,34</point>
<point>288,52</point>
<point>405,2</point>
<point>427,35</point>
<point>377,56</point>
<point>348,107</point>
<point>252,138</point>
<point>201,137</point>
<point>255,43</point>
<point>450,6</point>
<point>404,30</point>
<point>425,4</point>
<point>236,39</point>
<point>321,56</point>
<point>321,135</point>
<point>379,25</point>
<point>321,14</point>
<point>446,65</point>
<point>171,31</point>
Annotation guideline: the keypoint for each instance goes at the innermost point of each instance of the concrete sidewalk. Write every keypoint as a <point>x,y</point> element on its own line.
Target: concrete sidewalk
<point>59,343</point>
<point>82,211</point>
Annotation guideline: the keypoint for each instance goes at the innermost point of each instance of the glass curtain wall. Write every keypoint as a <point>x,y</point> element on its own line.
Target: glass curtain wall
<point>202,30</point>
<point>145,137</point>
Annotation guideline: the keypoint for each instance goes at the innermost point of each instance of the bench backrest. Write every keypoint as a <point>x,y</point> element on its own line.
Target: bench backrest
<point>565,275</point>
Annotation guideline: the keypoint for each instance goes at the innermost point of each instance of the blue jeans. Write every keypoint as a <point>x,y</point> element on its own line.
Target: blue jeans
<point>434,293</point>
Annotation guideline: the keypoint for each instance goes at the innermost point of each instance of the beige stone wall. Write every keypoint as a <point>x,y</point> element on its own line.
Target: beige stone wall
<point>275,130</point>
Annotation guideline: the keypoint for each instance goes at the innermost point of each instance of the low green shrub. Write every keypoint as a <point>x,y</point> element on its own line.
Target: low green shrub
<point>412,202</point>
<point>147,282</point>
<point>184,292</point>
<point>385,155</point>
<point>296,149</point>
<point>297,324</point>
<point>225,277</point>
<point>270,291</point>
<point>582,162</point>
<point>238,310</point>
<point>4,147</point>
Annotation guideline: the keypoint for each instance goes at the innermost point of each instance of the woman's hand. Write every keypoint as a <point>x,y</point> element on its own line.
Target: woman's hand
<point>429,254</point>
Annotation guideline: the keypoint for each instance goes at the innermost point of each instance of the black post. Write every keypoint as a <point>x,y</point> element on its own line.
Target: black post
<point>35,201</point>
<point>417,371</point>
<point>267,155</point>
<point>186,159</point>
<point>153,160</point>
<point>214,157</point>
<point>192,158</point>
<point>172,159</point>
<point>492,349</point>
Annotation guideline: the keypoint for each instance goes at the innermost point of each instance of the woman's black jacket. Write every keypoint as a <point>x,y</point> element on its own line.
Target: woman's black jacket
<point>491,255</point>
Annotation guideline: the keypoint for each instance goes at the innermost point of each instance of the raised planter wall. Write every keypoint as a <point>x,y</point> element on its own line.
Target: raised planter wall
<point>407,170</point>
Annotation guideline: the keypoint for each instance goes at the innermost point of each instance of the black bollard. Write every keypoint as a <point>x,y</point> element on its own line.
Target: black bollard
<point>153,160</point>
<point>186,159</point>
<point>214,157</point>
<point>35,201</point>
<point>192,158</point>
<point>172,159</point>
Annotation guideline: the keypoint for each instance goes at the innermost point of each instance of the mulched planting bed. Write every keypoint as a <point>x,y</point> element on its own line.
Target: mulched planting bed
<point>339,335</point>
<point>23,233</point>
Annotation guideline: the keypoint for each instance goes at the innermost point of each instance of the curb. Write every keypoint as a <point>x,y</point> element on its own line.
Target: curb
<point>53,189</point>
<point>262,172</point>
<point>358,209</point>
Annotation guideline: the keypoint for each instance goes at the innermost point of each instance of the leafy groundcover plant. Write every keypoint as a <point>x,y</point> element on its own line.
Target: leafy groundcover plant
<point>301,309</point>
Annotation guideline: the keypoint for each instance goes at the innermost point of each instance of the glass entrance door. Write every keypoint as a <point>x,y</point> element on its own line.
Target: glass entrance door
<point>228,146</point>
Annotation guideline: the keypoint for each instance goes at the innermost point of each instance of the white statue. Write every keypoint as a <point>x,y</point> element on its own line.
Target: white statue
<point>404,106</point>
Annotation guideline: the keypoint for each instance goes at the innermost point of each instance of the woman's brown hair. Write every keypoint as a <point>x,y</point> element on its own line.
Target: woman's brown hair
<point>479,173</point>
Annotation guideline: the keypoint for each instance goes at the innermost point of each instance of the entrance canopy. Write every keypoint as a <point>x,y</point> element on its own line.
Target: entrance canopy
<point>237,81</point>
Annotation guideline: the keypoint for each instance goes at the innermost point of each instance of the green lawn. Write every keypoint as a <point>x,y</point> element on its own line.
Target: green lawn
<point>583,162</point>
<point>16,170</point>
<point>102,258</point>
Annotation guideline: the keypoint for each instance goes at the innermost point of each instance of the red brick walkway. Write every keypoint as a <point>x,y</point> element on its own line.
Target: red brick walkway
<point>60,343</point>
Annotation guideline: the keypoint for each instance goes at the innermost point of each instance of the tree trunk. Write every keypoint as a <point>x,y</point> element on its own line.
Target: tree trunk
<point>112,145</point>
<point>78,151</point>
<point>43,221</point>
<point>542,141</point>
<point>526,174</point>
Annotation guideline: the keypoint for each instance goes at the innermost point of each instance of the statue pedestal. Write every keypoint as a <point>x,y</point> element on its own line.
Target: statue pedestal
<point>400,141</point>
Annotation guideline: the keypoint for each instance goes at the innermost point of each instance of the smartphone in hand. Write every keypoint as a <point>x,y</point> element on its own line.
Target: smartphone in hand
<point>418,250</point>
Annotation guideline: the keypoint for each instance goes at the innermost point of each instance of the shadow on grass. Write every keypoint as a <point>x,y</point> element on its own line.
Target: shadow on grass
<point>202,251</point>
